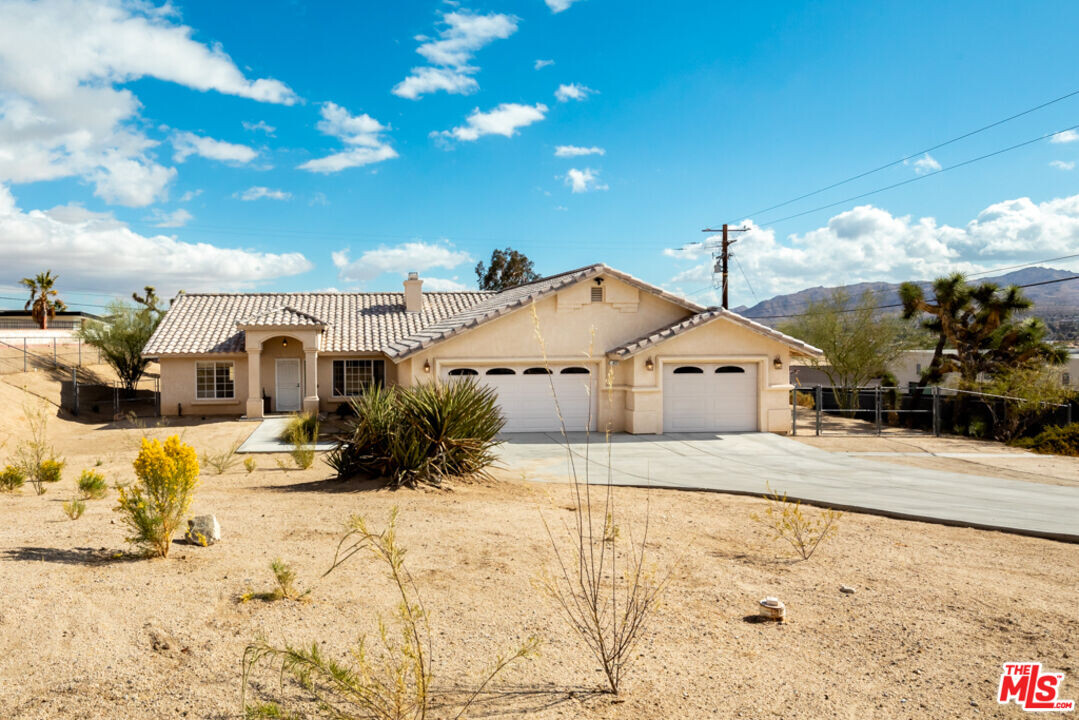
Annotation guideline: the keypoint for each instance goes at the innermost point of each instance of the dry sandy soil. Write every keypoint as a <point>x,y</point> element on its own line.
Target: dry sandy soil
<point>84,634</point>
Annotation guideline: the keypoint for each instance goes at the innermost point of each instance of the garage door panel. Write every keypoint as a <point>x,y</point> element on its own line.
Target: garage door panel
<point>527,402</point>
<point>710,401</point>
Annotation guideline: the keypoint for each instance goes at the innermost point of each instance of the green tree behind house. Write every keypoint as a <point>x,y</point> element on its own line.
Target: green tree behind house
<point>122,336</point>
<point>44,300</point>
<point>506,269</point>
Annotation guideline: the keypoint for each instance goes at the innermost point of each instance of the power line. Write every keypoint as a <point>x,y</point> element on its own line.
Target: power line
<point>898,305</point>
<point>909,157</point>
<point>918,177</point>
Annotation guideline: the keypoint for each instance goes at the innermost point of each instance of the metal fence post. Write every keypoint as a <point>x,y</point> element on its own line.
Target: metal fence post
<point>794,411</point>
<point>818,403</point>
<point>75,389</point>
<point>80,352</point>
<point>936,410</point>
<point>876,400</point>
<point>116,401</point>
<point>157,396</point>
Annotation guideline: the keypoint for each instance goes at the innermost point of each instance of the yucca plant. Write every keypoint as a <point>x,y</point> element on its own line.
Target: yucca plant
<point>421,434</point>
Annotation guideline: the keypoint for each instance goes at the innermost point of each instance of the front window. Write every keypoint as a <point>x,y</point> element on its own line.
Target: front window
<point>215,380</point>
<point>352,377</point>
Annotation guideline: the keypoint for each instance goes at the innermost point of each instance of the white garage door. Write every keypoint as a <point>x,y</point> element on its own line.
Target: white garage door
<point>524,393</point>
<point>709,398</point>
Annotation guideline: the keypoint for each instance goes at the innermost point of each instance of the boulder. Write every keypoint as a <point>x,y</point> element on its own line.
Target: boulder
<point>203,530</point>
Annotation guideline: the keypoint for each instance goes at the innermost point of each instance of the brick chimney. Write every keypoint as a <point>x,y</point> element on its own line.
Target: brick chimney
<point>413,293</point>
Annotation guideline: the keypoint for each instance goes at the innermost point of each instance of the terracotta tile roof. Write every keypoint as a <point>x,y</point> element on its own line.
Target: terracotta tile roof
<point>703,318</point>
<point>355,322</point>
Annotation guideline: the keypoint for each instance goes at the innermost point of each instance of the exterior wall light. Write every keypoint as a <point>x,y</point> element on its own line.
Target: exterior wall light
<point>284,342</point>
<point>649,365</point>
<point>777,362</point>
<point>427,366</point>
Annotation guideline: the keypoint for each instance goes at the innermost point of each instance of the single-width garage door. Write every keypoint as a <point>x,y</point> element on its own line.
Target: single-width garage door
<point>709,398</point>
<point>524,393</point>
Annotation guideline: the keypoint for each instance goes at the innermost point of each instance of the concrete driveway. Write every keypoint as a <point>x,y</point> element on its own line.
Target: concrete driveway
<point>747,463</point>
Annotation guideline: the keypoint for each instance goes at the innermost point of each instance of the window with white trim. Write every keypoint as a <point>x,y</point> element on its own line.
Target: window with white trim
<point>352,377</point>
<point>215,380</point>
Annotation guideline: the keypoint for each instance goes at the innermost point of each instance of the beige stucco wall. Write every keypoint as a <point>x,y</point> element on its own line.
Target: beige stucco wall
<point>178,387</point>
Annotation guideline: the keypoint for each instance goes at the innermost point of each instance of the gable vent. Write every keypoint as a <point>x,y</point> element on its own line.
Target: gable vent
<point>597,294</point>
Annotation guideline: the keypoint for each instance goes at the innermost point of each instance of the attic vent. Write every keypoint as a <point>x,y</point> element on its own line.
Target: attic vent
<point>597,294</point>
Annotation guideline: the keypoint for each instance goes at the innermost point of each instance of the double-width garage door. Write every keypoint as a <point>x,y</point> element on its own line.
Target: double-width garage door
<point>709,398</point>
<point>524,393</point>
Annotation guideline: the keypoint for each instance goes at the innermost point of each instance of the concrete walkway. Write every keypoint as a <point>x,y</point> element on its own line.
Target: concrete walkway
<point>267,438</point>
<point>749,463</point>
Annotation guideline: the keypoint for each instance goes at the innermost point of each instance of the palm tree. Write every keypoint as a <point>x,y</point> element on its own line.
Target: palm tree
<point>44,300</point>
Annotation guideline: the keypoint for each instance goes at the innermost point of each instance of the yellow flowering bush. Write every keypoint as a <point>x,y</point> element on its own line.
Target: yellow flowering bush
<point>153,507</point>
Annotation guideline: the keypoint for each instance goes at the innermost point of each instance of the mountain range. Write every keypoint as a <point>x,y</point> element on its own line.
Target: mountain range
<point>1057,303</point>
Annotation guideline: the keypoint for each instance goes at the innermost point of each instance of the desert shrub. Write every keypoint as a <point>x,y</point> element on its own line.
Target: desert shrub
<point>420,434</point>
<point>806,400</point>
<point>786,520</point>
<point>224,460</point>
<point>92,485</point>
<point>154,505</point>
<point>74,508</point>
<point>389,679</point>
<point>284,587</point>
<point>302,433</point>
<point>303,425</point>
<point>35,457</point>
<point>11,478</point>
<point>249,465</point>
<point>1054,440</point>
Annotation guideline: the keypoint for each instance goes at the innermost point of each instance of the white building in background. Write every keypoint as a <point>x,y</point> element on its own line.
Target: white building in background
<point>908,369</point>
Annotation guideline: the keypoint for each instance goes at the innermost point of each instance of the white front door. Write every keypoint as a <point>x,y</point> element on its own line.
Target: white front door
<point>703,397</point>
<point>289,396</point>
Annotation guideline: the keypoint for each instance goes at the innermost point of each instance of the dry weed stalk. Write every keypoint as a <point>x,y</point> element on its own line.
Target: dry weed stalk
<point>786,521</point>
<point>605,587</point>
<point>390,680</point>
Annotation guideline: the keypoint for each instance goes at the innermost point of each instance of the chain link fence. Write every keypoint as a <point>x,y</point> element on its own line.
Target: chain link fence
<point>95,399</point>
<point>826,410</point>
<point>22,354</point>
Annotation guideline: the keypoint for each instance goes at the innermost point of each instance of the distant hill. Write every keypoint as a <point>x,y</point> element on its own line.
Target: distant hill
<point>1058,303</point>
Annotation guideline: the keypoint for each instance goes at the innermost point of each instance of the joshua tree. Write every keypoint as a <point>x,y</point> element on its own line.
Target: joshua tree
<point>44,300</point>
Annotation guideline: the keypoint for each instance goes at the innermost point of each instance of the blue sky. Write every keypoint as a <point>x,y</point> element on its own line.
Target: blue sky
<point>301,146</point>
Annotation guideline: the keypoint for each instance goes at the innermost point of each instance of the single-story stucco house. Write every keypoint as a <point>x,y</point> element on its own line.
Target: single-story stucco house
<point>670,364</point>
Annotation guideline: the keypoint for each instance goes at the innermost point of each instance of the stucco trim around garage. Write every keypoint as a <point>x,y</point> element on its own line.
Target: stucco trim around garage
<point>702,319</point>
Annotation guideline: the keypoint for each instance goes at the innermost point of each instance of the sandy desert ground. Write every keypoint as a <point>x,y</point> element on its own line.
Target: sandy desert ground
<point>85,634</point>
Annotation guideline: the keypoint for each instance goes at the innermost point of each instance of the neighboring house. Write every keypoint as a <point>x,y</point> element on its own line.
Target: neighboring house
<point>621,353</point>
<point>23,320</point>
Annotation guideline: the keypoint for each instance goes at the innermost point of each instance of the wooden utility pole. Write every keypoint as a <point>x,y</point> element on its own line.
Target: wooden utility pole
<point>723,257</point>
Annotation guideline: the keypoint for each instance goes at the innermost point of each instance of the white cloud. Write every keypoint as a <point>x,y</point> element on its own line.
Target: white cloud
<point>176,218</point>
<point>564,151</point>
<point>585,180</point>
<point>1068,136</point>
<point>503,120</point>
<point>573,91</point>
<point>400,259</point>
<point>924,165</point>
<point>868,243</point>
<point>1063,164</point>
<point>319,198</point>
<point>437,284</point>
<point>464,33</point>
<point>259,192</point>
<point>63,112</point>
<point>558,6</point>
<point>260,126</point>
<point>540,64</point>
<point>361,133</point>
<point>190,195</point>
<point>186,144</point>
<point>94,251</point>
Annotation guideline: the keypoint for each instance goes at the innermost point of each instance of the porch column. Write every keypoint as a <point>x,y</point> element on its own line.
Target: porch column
<point>310,399</point>
<point>254,383</point>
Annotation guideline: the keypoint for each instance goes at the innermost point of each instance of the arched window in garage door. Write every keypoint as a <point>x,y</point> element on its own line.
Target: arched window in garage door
<point>501,371</point>
<point>688,370</point>
<point>730,369</point>
<point>456,372</point>
<point>575,370</point>
<point>537,371</point>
